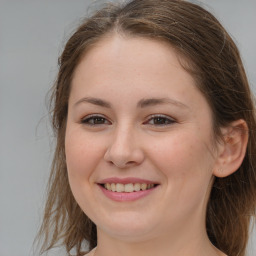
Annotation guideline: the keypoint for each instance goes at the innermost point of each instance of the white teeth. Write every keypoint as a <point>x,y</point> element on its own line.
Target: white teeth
<point>136,187</point>
<point>120,187</point>
<point>128,188</point>
<point>143,186</point>
<point>113,187</point>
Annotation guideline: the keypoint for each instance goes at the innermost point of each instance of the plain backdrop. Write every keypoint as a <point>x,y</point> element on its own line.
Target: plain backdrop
<point>32,36</point>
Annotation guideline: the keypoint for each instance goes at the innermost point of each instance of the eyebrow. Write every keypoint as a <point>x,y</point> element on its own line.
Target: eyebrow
<point>94,101</point>
<point>159,101</point>
<point>141,104</point>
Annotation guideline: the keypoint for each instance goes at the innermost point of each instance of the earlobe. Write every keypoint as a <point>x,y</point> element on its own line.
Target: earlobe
<point>233,148</point>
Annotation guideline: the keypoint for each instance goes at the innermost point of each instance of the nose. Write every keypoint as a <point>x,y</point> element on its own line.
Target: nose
<point>124,149</point>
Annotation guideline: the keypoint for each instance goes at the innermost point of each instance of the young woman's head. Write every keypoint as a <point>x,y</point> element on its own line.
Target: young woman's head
<point>152,96</point>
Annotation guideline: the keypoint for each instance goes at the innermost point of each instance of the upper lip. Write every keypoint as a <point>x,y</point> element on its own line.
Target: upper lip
<point>126,180</point>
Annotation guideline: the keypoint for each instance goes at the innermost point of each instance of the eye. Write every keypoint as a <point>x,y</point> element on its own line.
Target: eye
<point>160,120</point>
<point>94,120</point>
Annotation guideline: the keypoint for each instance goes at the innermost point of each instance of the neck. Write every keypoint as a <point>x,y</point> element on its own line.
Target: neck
<point>165,245</point>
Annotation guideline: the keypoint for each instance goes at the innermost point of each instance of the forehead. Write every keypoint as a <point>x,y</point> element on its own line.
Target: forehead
<point>131,57</point>
<point>132,63</point>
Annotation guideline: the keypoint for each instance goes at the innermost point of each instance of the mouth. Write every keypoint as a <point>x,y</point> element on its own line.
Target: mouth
<point>127,188</point>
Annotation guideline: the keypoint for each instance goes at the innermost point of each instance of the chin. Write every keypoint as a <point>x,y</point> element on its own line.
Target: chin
<point>128,228</point>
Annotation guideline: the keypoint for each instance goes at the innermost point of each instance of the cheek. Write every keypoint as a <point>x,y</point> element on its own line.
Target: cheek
<point>82,154</point>
<point>185,161</point>
<point>186,164</point>
<point>181,150</point>
<point>82,157</point>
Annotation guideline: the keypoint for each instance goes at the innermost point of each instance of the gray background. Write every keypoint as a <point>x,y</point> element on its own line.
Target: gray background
<point>32,35</point>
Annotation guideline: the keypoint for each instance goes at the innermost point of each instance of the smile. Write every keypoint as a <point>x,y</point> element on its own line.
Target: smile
<point>128,188</point>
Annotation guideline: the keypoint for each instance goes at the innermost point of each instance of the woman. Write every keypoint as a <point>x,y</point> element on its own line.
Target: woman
<point>155,125</point>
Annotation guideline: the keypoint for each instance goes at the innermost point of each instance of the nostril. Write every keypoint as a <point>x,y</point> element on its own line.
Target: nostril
<point>130,163</point>
<point>123,157</point>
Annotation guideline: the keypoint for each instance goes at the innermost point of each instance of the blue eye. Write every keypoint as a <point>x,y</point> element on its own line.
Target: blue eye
<point>95,120</point>
<point>160,120</point>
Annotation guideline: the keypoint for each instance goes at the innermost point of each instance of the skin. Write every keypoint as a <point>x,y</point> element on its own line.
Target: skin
<point>128,141</point>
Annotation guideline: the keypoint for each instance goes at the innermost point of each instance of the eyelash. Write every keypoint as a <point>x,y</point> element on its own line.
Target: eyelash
<point>92,120</point>
<point>164,120</point>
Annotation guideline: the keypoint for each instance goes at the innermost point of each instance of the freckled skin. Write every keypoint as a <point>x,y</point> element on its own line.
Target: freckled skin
<point>122,71</point>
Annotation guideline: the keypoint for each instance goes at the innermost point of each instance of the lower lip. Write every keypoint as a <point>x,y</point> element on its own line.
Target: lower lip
<point>126,196</point>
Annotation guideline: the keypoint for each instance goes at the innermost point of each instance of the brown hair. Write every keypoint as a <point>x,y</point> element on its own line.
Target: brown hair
<point>214,61</point>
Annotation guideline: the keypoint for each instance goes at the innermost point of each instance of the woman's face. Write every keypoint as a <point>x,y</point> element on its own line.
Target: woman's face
<point>138,124</point>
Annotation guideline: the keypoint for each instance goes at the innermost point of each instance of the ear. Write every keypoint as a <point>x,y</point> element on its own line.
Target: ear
<point>232,150</point>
